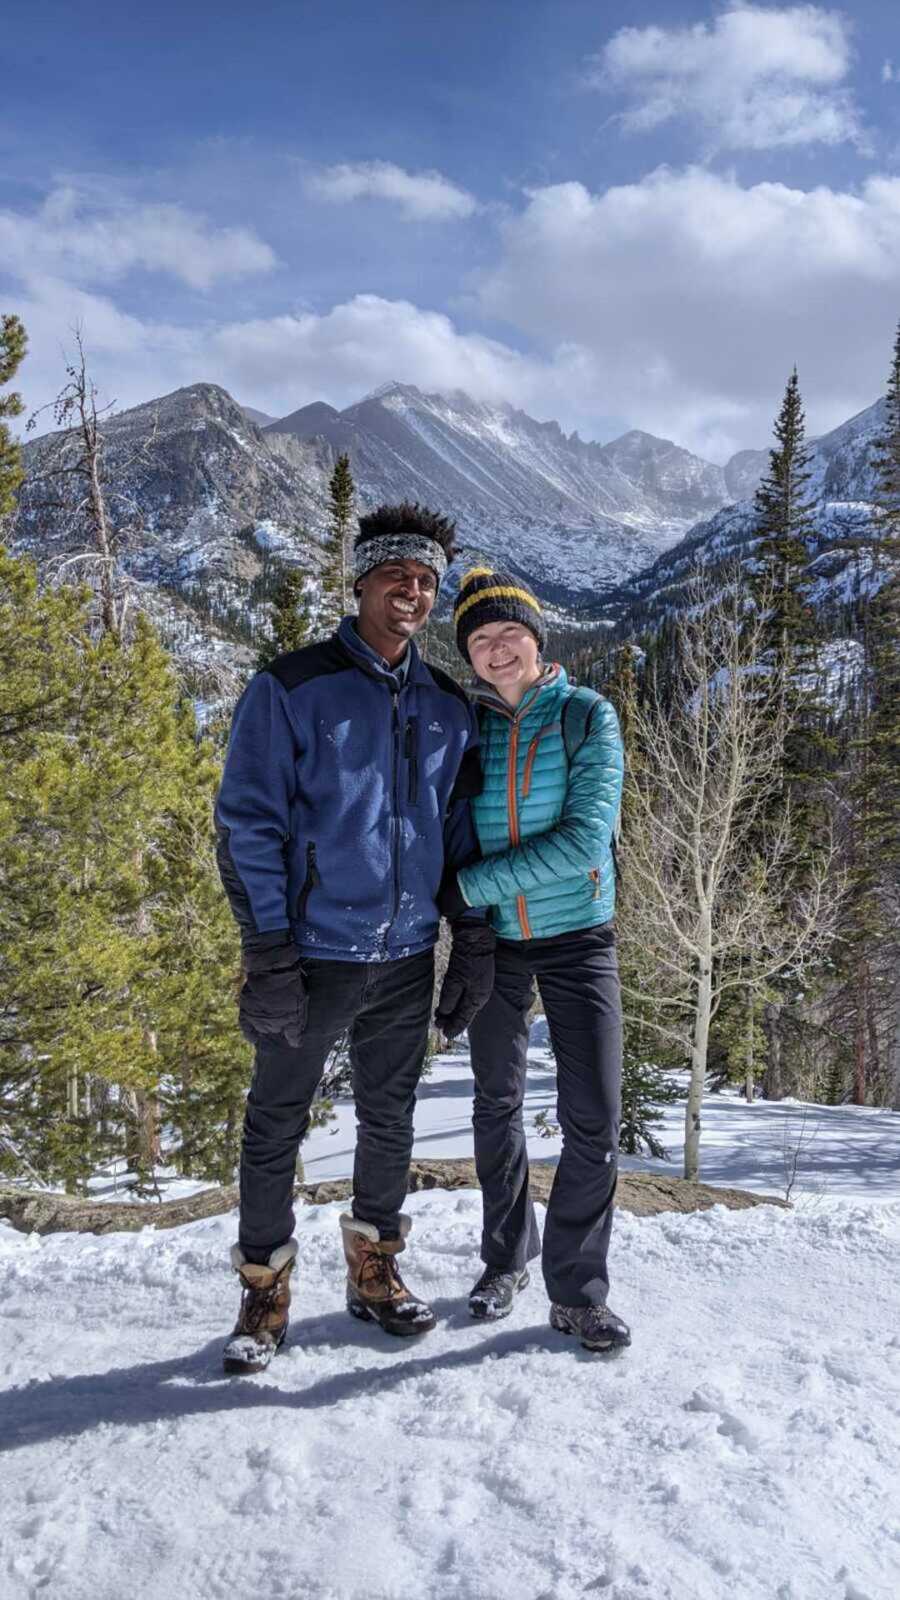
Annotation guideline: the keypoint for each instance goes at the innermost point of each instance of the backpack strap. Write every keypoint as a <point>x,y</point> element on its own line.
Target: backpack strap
<point>577,714</point>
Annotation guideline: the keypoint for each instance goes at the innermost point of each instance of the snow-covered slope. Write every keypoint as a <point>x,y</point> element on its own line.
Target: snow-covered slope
<point>571,516</point>
<point>747,1446</point>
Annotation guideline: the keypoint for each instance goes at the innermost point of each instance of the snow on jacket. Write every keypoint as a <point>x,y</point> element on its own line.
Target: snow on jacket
<point>346,790</point>
<point>545,826</point>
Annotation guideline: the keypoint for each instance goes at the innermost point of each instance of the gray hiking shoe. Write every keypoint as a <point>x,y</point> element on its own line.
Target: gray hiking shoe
<point>598,1327</point>
<point>494,1293</point>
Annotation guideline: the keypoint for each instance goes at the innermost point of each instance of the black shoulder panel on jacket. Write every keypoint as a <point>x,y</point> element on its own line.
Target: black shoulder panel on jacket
<point>313,661</point>
<point>445,682</point>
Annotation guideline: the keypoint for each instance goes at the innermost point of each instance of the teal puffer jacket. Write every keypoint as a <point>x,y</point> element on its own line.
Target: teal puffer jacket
<point>545,826</point>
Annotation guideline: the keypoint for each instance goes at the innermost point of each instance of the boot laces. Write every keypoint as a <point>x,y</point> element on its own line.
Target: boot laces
<point>256,1303</point>
<point>379,1270</point>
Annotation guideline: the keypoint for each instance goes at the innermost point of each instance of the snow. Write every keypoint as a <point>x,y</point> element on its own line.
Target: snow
<point>826,1152</point>
<point>746,1446</point>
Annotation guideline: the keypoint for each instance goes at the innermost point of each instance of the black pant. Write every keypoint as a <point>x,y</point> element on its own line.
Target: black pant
<point>387,1008</point>
<point>577,974</point>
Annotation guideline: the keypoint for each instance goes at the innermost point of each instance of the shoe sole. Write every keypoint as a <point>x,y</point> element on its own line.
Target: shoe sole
<point>399,1330</point>
<point>483,1314</point>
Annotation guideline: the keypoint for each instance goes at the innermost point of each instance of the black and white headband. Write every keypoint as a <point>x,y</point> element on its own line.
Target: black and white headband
<point>370,553</point>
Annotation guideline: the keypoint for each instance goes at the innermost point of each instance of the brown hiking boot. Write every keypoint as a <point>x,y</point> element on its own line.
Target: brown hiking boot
<point>263,1318</point>
<point>375,1290</point>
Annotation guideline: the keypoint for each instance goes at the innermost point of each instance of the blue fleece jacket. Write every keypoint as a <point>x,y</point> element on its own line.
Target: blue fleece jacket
<point>345,793</point>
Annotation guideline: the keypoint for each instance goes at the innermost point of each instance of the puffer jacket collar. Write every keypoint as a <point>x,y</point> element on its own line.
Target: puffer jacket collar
<point>486,696</point>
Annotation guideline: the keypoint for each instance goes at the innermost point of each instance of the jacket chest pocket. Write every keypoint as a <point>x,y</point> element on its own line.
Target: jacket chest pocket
<point>531,755</point>
<point>411,758</point>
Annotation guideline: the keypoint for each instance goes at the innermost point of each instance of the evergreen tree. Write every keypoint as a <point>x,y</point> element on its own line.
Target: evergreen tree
<point>117,948</point>
<point>785,526</point>
<point>337,586</point>
<point>866,996</point>
<point>13,343</point>
<point>290,617</point>
<point>884,770</point>
<point>785,518</point>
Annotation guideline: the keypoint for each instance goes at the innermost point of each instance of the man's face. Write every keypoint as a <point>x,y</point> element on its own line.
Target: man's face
<point>395,599</point>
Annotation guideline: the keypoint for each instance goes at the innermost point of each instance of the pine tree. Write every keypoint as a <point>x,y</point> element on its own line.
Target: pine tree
<point>291,623</point>
<point>785,524</point>
<point>885,636</point>
<point>13,344</point>
<point>117,949</point>
<point>866,996</point>
<point>337,585</point>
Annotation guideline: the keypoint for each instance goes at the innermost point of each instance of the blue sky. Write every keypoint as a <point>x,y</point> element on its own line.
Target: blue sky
<point>617,215</point>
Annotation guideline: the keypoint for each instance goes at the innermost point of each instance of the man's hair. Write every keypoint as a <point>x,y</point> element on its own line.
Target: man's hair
<point>409,517</point>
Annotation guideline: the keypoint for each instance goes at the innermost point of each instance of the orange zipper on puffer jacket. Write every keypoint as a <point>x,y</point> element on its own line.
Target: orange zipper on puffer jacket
<point>513,815</point>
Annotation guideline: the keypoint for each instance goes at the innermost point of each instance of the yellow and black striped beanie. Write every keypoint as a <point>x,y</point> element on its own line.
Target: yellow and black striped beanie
<point>489,596</point>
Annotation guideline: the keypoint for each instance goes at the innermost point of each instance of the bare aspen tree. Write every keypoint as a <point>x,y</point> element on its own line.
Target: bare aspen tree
<point>708,857</point>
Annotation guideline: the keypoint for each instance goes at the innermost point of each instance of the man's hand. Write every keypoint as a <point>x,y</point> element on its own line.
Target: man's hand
<point>273,1002</point>
<point>469,978</point>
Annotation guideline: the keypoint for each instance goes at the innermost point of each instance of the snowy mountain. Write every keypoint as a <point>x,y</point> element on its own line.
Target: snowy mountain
<point>842,483</point>
<point>569,515</point>
<point>204,500</point>
<point>207,497</point>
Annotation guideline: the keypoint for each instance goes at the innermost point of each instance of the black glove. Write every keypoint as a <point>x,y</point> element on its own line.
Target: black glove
<point>450,901</point>
<point>273,1002</point>
<point>469,978</point>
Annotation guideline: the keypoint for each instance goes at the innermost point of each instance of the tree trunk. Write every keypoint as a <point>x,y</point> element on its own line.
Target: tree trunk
<point>699,1048</point>
<point>859,1037</point>
<point>773,1085</point>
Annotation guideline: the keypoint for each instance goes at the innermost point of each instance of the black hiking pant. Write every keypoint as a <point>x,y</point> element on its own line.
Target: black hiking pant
<point>578,978</point>
<point>386,1008</point>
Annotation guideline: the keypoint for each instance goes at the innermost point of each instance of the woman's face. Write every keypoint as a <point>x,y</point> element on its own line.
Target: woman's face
<point>505,655</point>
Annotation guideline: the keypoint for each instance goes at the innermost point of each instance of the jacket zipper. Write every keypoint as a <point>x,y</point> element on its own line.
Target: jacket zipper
<point>310,882</point>
<point>549,727</point>
<point>395,817</point>
<point>513,816</point>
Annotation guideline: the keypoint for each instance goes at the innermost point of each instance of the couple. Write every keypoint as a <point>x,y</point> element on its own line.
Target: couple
<point>363,797</point>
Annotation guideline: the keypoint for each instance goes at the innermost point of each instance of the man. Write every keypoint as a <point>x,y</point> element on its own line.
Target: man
<point>345,794</point>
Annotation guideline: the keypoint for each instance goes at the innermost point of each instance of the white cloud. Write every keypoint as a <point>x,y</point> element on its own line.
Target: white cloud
<point>755,78</point>
<point>888,74</point>
<point>421,196</point>
<point>689,297</point>
<point>277,363</point>
<point>84,240</point>
<point>679,303</point>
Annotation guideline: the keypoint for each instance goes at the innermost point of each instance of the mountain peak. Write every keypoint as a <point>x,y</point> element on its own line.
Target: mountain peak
<point>393,386</point>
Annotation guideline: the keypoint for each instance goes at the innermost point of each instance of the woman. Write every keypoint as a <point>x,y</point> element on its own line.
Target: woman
<point>552,759</point>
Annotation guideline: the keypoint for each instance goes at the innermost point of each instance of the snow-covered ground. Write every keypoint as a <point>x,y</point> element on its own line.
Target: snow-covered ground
<point>747,1447</point>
